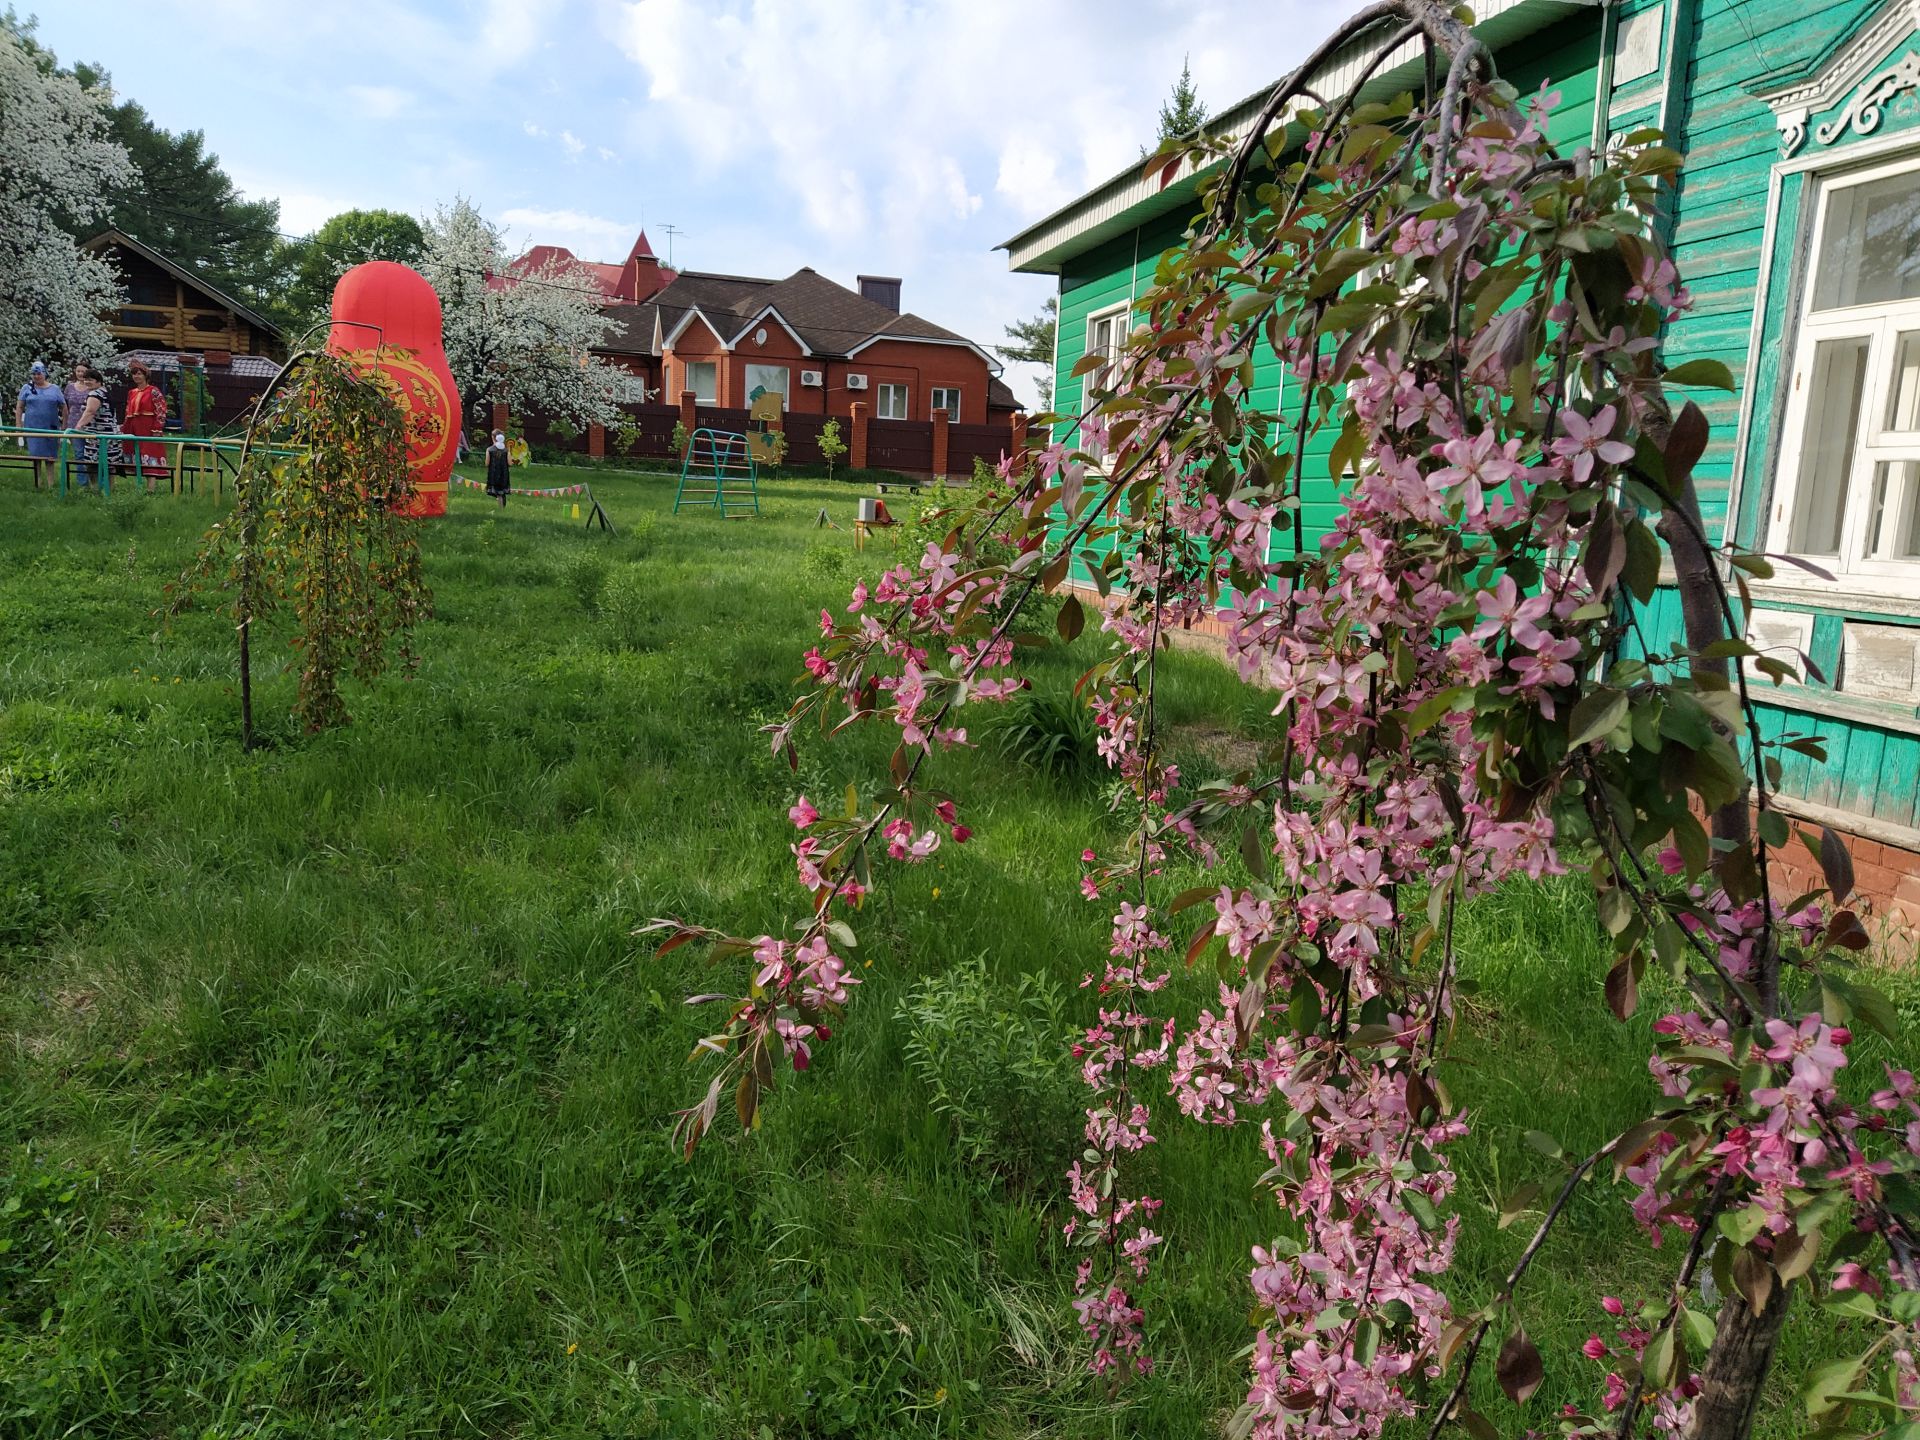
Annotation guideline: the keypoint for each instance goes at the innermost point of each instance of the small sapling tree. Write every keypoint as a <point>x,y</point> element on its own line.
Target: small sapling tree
<point>314,532</point>
<point>832,447</point>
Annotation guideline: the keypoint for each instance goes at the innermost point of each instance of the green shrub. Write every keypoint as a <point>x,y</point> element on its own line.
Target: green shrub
<point>584,573</point>
<point>639,532</point>
<point>1054,734</point>
<point>942,511</point>
<point>992,1057</point>
<point>627,605</point>
<point>824,560</point>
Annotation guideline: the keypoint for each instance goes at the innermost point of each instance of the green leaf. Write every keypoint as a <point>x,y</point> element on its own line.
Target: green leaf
<point>1642,570</point>
<point>1830,1382</point>
<point>1429,711</point>
<point>1546,1144</point>
<point>1661,1360</point>
<point>1337,269</point>
<point>1597,714</point>
<point>1712,373</point>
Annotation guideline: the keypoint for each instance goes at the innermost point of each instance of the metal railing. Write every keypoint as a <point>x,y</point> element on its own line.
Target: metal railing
<point>192,458</point>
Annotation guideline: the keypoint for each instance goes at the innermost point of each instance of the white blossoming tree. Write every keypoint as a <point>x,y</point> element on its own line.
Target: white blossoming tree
<point>526,341</point>
<point>51,293</point>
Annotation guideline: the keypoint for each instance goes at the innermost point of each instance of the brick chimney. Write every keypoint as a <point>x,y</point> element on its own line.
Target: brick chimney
<point>882,290</point>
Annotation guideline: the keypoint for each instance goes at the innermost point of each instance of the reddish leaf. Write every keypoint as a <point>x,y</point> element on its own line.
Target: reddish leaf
<point>676,940</point>
<point>1623,991</point>
<point>1071,620</point>
<point>1846,931</point>
<point>1199,941</point>
<point>1835,864</point>
<point>1754,1276</point>
<point>1685,444</point>
<point>1518,1369</point>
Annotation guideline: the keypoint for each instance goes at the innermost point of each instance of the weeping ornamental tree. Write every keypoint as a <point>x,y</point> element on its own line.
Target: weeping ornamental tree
<point>1471,690</point>
<point>315,530</point>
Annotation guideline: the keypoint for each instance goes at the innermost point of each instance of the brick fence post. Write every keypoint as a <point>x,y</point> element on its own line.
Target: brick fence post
<point>500,417</point>
<point>597,442</point>
<point>940,422</point>
<point>857,441</point>
<point>689,415</point>
<point>1017,441</point>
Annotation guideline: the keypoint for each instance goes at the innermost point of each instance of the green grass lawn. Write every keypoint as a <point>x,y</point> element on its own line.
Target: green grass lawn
<point>335,1092</point>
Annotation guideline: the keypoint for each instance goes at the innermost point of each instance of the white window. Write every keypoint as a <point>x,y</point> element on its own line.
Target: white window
<point>1848,488</point>
<point>764,378</point>
<point>946,398</point>
<point>891,402</point>
<point>702,377</point>
<point>1106,332</point>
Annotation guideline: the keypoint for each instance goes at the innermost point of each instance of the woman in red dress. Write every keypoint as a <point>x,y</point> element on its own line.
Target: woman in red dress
<point>146,414</point>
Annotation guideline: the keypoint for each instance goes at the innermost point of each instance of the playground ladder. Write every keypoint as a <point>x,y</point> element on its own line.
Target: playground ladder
<point>718,472</point>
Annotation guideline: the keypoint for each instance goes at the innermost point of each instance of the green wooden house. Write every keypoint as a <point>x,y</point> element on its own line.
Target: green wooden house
<point>1797,228</point>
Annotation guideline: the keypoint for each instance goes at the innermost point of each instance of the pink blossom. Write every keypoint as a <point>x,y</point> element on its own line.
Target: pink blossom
<point>1585,440</point>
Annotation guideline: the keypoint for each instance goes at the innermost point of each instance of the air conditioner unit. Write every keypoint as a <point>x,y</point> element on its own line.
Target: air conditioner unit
<point>856,382</point>
<point>812,377</point>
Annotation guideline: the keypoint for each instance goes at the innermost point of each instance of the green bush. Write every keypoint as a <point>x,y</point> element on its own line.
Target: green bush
<point>935,519</point>
<point>1054,734</point>
<point>584,573</point>
<point>992,1057</point>
<point>825,560</point>
<point>627,605</point>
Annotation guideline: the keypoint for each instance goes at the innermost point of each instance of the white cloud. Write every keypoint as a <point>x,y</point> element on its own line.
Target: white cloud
<point>606,154</point>
<point>591,237</point>
<point>380,102</point>
<point>574,145</point>
<point>511,29</point>
<point>533,129</point>
<point>301,211</point>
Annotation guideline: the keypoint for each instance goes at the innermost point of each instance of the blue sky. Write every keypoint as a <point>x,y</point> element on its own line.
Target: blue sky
<point>894,137</point>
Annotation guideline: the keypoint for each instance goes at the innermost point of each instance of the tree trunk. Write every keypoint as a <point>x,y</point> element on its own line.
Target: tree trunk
<point>1736,1368</point>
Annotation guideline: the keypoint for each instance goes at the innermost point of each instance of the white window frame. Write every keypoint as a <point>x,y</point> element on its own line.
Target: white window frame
<point>1881,325</point>
<point>884,409</point>
<point>786,380</point>
<point>1117,335</point>
<point>689,380</point>
<point>1117,318</point>
<point>947,398</point>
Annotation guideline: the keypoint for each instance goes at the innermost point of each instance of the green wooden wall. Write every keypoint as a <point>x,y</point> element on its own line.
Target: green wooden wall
<point>1720,50</point>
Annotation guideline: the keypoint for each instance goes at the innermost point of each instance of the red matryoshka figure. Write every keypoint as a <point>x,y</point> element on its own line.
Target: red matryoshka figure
<point>386,318</point>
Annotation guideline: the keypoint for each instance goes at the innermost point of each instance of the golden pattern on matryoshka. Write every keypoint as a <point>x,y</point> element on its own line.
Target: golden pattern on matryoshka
<point>387,321</point>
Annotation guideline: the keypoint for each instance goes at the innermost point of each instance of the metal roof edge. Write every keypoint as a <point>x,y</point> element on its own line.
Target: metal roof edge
<point>1143,190</point>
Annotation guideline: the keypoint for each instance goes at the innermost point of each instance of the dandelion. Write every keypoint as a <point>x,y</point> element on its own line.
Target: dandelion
<point>573,1347</point>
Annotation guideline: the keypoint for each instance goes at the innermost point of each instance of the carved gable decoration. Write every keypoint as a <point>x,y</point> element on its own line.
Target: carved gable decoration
<point>1869,66</point>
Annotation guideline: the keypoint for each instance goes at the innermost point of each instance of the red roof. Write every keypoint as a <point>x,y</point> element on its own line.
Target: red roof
<point>628,282</point>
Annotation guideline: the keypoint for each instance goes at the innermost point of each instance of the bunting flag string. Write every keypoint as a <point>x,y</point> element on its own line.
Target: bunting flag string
<point>552,494</point>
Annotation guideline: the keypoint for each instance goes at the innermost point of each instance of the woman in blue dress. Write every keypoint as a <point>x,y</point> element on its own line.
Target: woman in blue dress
<point>40,405</point>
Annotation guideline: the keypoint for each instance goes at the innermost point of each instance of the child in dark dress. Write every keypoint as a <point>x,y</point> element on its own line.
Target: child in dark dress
<point>497,481</point>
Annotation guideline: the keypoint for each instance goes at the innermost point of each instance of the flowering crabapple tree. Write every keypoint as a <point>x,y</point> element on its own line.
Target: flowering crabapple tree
<point>1469,324</point>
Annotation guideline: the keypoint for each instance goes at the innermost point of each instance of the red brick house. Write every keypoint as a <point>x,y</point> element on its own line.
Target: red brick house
<point>823,346</point>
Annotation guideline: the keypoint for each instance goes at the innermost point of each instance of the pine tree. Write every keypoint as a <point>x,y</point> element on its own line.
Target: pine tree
<point>1031,341</point>
<point>1183,113</point>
